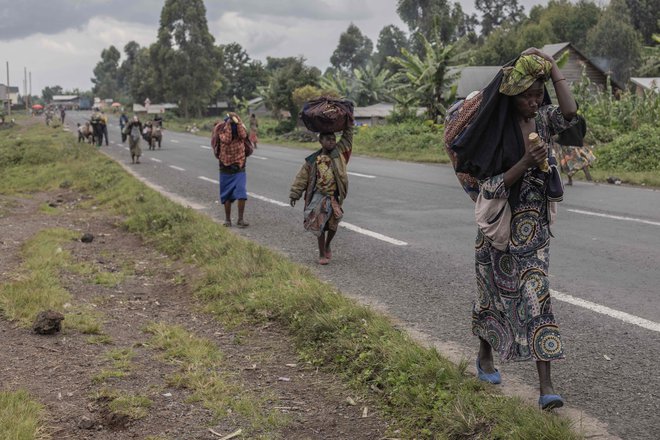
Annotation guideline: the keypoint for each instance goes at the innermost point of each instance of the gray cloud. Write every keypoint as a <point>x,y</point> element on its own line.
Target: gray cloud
<point>22,18</point>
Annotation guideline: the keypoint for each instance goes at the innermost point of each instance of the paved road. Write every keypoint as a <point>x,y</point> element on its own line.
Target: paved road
<point>604,264</point>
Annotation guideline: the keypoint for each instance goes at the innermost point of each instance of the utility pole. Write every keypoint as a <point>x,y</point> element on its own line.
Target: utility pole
<point>30,93</point>
<point>25,88</point>
<point>8,94</point>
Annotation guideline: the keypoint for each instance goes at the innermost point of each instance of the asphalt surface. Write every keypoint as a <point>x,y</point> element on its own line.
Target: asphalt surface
<point>606,254</point>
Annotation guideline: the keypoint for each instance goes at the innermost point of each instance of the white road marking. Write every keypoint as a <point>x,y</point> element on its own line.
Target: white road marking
<point>604,310</point>
<point>349,226</point>
<point>174,140</point>
<point>209,180</point>
<point>361,175</point>
<point>205,147</point>
<point>176,168</point>
<point>373,234</point>
<point>615,217</point>
<point>266,199</point>
<point>155,160</point>
<point>258,157</point>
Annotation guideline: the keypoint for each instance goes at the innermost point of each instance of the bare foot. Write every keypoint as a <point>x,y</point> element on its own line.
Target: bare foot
<point>323,261</point>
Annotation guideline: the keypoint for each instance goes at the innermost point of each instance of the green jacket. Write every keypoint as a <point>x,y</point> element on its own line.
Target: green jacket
<point>305,181</point>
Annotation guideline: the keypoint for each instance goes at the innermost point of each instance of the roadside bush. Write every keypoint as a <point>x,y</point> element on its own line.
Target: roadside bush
<point>411,140</point>
<point>635,151</point>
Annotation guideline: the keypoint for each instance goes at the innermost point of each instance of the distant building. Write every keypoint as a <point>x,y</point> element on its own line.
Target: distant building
<point>8,96</point>
<point>67,101</point>
<point>472,78</point>
<point>644,85</point>
<point>577,62</point>
<point>258,107</point>
<point>376,114</point>
<point>153,108</point>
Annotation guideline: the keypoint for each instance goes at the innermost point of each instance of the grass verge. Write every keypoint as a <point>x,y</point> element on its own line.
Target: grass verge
<point>424,395</point>
<point>21,418</point>
<point>202,372</point>
<point>35,287</point>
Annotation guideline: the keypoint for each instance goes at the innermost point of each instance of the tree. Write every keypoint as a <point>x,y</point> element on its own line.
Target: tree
<point>433,19</point>
<point>391,40</point>
<point>48,92</point>
<point>373,85</point>
<point>644,17</point>
<point>496,12</point>
<point>308,92</point>
<point>425,77</point>
<point>651,59</point>
<point>106,84</point>
<point>287,75</point>
<point>339,82</point>
<point>353,50</point>
<point>616,41</point>
<point>184,56</point>
<point>142,81</point>
<point>132,51</point>
<point>568,21</point>
<point>240,75</point>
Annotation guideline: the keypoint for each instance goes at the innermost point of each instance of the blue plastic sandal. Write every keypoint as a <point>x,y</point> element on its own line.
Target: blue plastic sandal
<point>493,378</point>
<point>550,401</point>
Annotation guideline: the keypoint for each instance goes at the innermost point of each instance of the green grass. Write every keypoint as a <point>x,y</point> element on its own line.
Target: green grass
<point>423,394</point>
<point>133,406</point>
<point>35,287</point>
<point>203,372</point>
<point>121,359</point>
<point>21,418</point>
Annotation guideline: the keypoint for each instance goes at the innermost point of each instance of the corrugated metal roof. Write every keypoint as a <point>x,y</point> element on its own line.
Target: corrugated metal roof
<point>649,83</point>
<point>64,97</point>
<point>554,49</point>
<point>472,78</point>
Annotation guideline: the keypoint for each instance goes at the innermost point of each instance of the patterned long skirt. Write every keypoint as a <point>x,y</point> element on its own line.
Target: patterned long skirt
<point>513,311</point>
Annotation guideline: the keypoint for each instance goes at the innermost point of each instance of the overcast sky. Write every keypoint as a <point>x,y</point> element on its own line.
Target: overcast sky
<point>60,41</point>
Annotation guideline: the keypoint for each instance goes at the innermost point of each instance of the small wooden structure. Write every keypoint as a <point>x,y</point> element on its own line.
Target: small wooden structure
<point>577,62</point>
<point>645,85</point>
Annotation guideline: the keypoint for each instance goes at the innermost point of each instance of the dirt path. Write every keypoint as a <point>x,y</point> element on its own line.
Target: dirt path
<point>73,374</point>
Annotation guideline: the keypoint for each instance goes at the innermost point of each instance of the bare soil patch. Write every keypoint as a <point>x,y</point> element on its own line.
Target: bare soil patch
<point>65,371</point>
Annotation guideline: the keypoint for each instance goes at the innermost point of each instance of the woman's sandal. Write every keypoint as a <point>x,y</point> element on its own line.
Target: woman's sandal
<point>550,401</point>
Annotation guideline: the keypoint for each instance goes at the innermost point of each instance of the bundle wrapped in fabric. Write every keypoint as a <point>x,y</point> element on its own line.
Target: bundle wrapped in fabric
<point>326,115</point>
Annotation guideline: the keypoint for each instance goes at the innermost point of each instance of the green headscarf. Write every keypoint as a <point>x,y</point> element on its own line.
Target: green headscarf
<point>526,70</point>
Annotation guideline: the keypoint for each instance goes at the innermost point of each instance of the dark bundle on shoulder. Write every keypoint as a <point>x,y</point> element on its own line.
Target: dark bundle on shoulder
<point>327,115</point>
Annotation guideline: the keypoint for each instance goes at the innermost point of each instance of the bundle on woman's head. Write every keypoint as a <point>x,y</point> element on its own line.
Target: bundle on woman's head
<point>522,74</point>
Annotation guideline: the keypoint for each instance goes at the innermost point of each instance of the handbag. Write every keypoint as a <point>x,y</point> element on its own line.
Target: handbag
<point>494,220</point>
<point>249,147</point>
<point>555,187</point>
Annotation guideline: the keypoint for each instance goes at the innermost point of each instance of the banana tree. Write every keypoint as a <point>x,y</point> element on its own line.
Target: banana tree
<point>426,77</point>
<point>373,84</point>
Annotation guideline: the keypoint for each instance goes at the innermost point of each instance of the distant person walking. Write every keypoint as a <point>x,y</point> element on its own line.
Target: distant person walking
<point>230,136</point>
<point>62,114</point>
<point>254,130</point>
<point>324,181</point>
<point>487,138</point>
<point>97,127</point>
<point>104,127</point>
<point>123,120</point>
<point>134,132</point>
